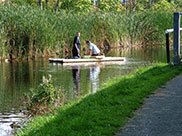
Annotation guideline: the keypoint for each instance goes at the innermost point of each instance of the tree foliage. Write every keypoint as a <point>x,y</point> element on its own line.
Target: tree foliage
<point>107,5</point>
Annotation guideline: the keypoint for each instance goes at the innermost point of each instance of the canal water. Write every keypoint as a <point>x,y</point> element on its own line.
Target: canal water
<point>75,80</point>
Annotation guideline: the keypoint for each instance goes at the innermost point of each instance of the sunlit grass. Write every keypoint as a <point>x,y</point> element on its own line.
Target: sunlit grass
<point>106,111</point>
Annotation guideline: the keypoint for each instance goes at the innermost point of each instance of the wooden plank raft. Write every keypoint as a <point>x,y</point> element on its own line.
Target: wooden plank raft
<point>103,59</point>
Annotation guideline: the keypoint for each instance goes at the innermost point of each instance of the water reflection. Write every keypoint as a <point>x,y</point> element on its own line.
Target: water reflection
<point>94,71</point>
<point>76,77</point>
<point>15,80</point>
<point>75,81</point>
<point>94,77</point>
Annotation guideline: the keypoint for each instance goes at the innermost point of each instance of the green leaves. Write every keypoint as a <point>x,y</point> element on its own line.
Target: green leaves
<point>77,5</point>
<point>43,99</point>
<point>163,5</point>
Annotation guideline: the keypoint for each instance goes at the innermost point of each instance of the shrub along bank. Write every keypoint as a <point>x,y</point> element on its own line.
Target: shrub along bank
<point>104,112</point>
<point>27,31</point>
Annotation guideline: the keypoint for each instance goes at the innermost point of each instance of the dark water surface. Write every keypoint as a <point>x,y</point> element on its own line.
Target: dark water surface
<point>75,80</point>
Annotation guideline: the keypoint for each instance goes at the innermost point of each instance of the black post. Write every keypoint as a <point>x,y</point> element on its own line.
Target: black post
<point>176,38</point>
<point>167,48</point>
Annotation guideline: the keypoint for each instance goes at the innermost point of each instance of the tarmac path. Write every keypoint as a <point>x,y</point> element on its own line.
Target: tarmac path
<point>161,115</point>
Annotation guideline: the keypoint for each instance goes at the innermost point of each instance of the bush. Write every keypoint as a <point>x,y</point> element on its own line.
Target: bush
<point>44,99</point>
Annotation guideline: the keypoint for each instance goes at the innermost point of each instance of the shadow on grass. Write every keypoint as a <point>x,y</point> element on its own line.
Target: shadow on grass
<point>104,112</point>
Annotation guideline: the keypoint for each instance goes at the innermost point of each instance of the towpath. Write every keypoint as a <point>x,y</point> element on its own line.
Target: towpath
<point>161,115</point>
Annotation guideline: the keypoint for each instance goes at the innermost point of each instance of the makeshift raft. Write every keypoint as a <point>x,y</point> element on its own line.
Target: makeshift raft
<point>103,59</point>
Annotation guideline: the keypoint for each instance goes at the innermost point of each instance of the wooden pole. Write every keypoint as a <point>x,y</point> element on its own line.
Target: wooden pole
<point>176,40</point>
<point>167,48</point>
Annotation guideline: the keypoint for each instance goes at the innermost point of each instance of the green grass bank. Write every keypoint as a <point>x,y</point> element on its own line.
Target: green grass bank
<point>103,113</point>
<point>27,31</point>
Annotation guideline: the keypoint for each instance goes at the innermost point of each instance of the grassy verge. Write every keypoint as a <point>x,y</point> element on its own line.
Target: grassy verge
<point>104,112</point>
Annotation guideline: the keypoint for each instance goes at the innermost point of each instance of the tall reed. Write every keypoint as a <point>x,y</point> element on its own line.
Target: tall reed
<point>27,31</point>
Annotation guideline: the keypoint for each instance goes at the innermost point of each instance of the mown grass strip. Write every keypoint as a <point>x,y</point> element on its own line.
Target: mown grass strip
<point>103,113</point>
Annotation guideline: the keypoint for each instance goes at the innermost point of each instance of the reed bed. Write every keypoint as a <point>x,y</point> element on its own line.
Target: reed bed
<point>28,32</point>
